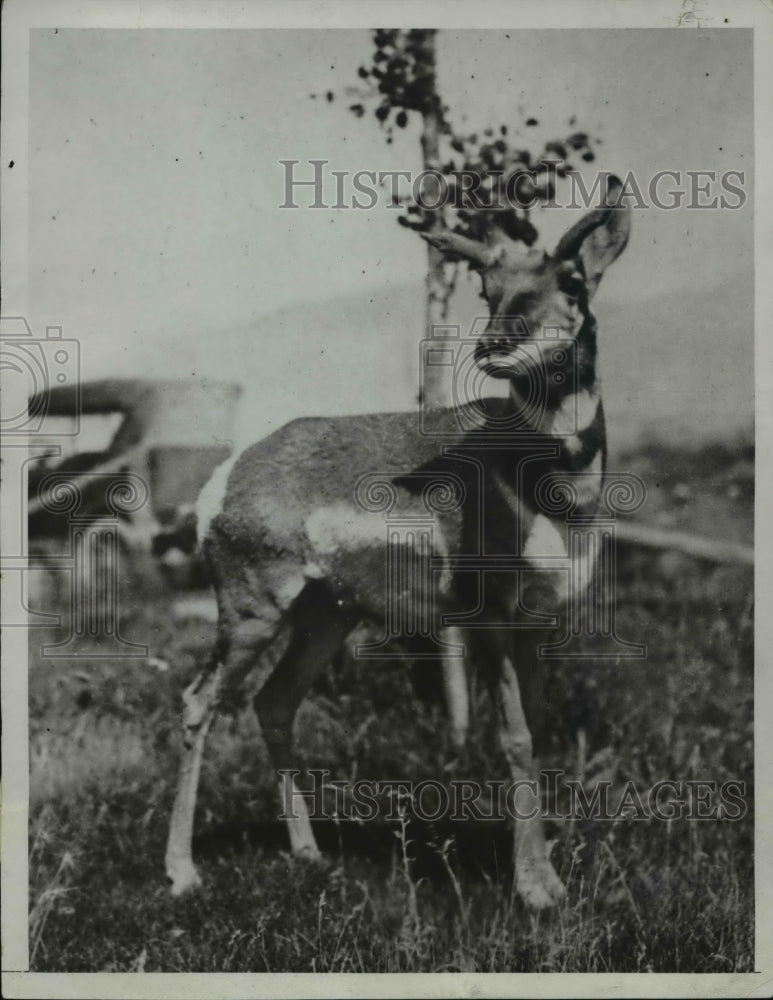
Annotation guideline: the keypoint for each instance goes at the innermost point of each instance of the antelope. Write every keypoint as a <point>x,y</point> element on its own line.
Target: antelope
<point>294,535</point>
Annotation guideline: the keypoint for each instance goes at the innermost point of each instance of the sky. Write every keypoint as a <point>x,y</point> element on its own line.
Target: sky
<point>155,177</point>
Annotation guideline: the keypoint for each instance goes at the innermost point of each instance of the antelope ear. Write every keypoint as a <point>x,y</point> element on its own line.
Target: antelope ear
<point>457,245</point>
<point>599,237</point>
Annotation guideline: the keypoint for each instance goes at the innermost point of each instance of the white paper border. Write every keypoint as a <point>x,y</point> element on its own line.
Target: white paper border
<point>18,18</point>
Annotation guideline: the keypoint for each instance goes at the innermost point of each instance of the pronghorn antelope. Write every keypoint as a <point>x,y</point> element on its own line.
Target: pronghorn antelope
<point>293,529</point>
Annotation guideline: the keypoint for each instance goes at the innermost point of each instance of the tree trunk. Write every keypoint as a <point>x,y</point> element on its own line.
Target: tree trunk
<point>434,385</point>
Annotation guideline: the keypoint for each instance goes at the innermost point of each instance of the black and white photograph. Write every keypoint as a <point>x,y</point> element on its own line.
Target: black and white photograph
<point>382,428</point>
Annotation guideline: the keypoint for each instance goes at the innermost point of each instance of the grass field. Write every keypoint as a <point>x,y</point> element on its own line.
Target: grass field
<point>643,895</point>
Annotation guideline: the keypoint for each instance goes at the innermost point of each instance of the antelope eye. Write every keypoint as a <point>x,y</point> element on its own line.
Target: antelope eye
<point>572,285</point>
<point>522,304</point>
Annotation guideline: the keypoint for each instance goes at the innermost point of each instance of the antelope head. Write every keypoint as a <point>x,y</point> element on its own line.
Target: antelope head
<point>536,298</point>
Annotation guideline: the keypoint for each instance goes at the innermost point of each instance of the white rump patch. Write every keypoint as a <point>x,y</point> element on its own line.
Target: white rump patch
<point>210,501</point>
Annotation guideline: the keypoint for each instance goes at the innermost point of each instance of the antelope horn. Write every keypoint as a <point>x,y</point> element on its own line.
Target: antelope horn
<point>461,246</point>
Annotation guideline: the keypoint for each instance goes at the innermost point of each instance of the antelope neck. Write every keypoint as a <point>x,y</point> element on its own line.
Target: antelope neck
<point>572,416</point>
<point>567,399</point>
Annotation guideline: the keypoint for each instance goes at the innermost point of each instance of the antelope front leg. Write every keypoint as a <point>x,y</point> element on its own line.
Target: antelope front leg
<point>536,881</point>
<point>199,704</point>
<point>455,688</point>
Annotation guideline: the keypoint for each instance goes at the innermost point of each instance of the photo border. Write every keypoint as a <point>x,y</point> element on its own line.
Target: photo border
<point>18,19</point>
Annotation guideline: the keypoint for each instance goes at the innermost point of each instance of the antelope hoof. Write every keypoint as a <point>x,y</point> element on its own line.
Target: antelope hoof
<point>308,854</point>
<point>183,877</point>
<point>459,737</point>
<point>538,886</point>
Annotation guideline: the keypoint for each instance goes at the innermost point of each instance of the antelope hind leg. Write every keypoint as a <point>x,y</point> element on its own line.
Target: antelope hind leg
<point>237,652</point>
<point>199,705</point>
<point>318,631</point>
